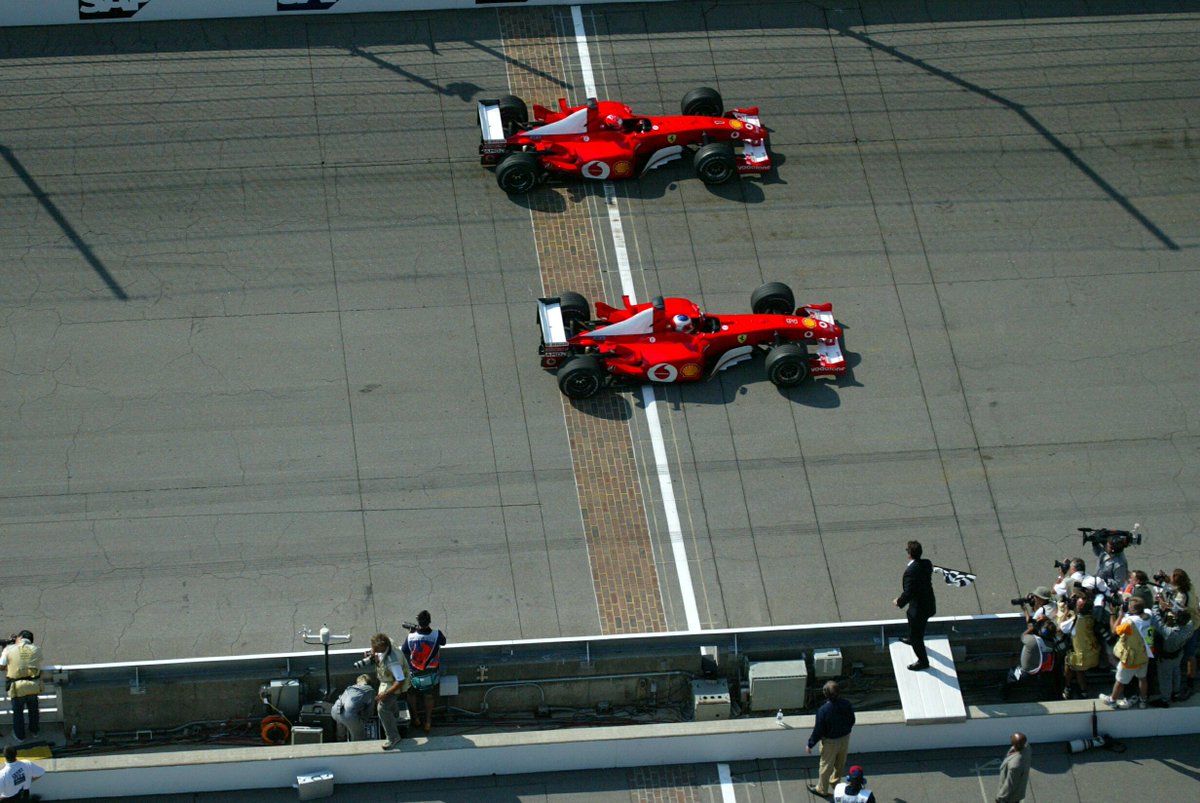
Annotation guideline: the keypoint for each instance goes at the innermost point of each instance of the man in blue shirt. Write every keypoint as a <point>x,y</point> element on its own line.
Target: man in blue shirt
<point>835,720</point>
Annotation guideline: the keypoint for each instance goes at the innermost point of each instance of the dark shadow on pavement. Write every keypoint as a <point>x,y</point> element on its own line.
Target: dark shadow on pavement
<point>60,219</point>
<point>1060,146</point>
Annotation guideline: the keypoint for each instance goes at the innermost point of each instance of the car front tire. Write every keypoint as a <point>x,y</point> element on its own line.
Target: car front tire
<point>773,298</point>
<point>703,101</point>
<point>715,163</point>
<point>787,365</point>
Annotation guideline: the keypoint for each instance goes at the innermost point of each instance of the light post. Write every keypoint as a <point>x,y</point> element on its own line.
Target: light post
<point>325,638</point>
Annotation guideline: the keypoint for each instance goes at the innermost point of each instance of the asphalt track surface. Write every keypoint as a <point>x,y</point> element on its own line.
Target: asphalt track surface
<point>267,341</point>
<point>268,356</point>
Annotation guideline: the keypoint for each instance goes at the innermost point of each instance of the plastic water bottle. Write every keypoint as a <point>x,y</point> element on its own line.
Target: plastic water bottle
<point>779,718</point>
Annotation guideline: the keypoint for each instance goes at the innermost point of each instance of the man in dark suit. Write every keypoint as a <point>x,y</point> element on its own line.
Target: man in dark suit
<point>918,596</point>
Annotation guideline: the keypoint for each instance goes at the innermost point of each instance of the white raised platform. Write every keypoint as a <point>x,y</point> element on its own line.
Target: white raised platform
<point>931,695</point>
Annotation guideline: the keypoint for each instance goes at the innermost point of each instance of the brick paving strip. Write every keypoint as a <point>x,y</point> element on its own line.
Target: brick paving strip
<point>673,783</point>
<point>610,496</point>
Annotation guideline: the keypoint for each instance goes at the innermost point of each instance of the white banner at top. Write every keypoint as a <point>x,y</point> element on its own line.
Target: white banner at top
<point>83,12</point>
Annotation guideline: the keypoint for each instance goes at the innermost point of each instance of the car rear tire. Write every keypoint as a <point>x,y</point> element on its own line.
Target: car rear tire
<point>581,377</point>
<point>773,298</point>
<point>513,113</point>
<point>576,310</point>
<point>517,173</point>
<point>787,365</point>
<point>703,101</point>
<point>715,163</point>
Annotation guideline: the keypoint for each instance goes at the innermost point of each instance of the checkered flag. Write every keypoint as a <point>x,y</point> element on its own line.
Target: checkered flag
<point>954,577</point>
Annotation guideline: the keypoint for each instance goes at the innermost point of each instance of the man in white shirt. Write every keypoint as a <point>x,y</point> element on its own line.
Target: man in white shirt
<point>17,776</point>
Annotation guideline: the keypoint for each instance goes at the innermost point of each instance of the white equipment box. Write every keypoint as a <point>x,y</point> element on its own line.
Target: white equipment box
<point>827,663</point>
<point>710,700</point>
<point>307,734</point>
<point>777,684</point>
<point>315,786</point>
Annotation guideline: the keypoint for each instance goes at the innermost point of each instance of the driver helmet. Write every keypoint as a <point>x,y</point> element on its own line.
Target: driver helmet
<point>683,323</point>
<point>613,121</point>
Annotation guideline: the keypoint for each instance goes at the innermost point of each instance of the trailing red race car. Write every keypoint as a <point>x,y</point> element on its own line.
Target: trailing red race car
<point>671,340</point>
<point>604,139</point>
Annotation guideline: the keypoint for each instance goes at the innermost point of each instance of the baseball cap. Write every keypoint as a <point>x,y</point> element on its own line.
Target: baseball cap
<point>1043,592</point>
<point>855,774</point>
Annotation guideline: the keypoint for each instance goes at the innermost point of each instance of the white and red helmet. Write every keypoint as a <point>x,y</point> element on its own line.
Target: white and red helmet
<point>682,323</point>
<point>613,121</point>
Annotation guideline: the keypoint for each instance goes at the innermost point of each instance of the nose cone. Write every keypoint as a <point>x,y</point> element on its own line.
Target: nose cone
<point>819,329</point>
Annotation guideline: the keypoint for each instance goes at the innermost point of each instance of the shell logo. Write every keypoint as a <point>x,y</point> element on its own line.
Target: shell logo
<point>622,168</point>
<point>595,169</point>
<point>809,323</point>
<point>691,370</point>
<point>663,372</point>
<point>736,124</point>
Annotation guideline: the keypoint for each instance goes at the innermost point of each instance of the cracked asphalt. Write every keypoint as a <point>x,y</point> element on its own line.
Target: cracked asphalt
<point>267,354</point>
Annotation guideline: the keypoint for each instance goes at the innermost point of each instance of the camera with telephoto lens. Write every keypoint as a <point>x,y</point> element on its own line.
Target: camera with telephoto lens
<point>409,626</point>
<point>1118,538</point>
<point>12,639</point>
<point>1022,601</point>
<point>1064,566</point>
<point>366,661</point>
<point>1162,578</point>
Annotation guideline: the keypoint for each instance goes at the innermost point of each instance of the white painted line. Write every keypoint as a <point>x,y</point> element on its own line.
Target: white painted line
<point>726,777</point>
<point>663,469</point>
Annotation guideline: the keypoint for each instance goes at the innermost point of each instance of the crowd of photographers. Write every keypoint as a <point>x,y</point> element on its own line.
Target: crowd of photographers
<point>1141,627</point>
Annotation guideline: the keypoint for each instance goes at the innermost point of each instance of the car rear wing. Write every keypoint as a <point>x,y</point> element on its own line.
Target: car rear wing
<point>755,158</point>
<point>829,361</point>
<point>492,142</point>
<point>553,348</point>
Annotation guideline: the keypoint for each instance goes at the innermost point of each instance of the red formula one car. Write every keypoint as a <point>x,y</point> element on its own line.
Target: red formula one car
<point>671,340</point>
<point>604,139</point>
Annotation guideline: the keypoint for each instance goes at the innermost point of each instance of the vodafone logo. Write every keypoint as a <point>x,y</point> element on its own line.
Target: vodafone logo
<point>109,9</point>
<point>663,372</point>
<point>595,169</point>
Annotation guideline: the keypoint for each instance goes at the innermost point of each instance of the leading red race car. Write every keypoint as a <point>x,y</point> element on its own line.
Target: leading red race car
<point>604,139</point>
<point>672,340</point>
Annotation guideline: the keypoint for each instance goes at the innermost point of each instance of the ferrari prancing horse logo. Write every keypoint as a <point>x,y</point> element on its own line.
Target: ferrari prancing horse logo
<point>741,338</point>
<point>671,139</point>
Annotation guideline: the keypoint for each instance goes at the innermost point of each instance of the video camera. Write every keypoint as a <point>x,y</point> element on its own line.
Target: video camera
<point>1118,538</point>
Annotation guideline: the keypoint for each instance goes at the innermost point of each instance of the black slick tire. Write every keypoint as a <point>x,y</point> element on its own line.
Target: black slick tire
<point>773,298</point>
<point>581,377</point>
<point>787,365</point>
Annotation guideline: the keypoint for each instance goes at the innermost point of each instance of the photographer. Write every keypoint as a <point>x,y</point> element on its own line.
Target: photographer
<point>1080,626</point>
<point>1178,595</point>
<point>391,668</point>
<point>1111,564</point>
<point>352,707</point>
<point>22,662</point>
<point>1174,630</point>
<point>1138,587</point>
<point>423,651</point>
<point>1037,651</point>
<point>1132,653</point>
<point>1072,574</point>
